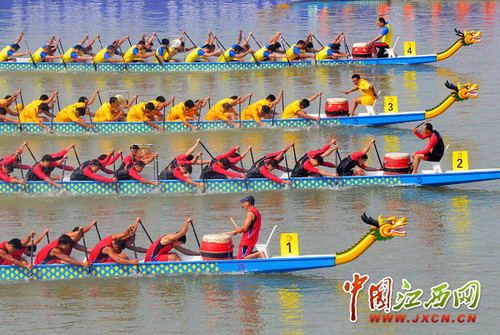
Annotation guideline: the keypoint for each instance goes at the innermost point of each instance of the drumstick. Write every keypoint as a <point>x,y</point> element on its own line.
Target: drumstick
<point>226,233</point>
<point>234,223</point>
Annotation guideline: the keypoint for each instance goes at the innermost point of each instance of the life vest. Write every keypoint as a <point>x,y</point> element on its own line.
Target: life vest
<point>346,165</point>
<point>290,54</point>
<point>298,169</point>
<point>157,249</point>
<point>259,55</point>
<point>387,38</point>
<point>129,55</point>
<point>323,53</point>
<point>32,176</point>
<point>4,54</point>
<point>164,56</point>
<point>66,58</point>
<point>438,148</point>
<point>99,57</point>
<point>254,171</point>
<point>193,56</point>
<point>96,256</point>
<point>37,56</point>
<point>226,57</point>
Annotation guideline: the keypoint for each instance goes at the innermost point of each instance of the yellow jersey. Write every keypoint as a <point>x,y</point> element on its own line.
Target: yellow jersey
<point>137,113</point>
<point>291,110</point>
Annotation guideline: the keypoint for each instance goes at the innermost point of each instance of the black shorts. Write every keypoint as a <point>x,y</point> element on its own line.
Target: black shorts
<point>432,157</point>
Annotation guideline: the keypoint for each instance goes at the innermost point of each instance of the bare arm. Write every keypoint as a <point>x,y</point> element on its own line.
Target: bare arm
<point>193,148</point>
<point>65,258</point>
<point>314,97</point>
<point>172,237</point>
<point>19,38</point>
<point>114,256</point>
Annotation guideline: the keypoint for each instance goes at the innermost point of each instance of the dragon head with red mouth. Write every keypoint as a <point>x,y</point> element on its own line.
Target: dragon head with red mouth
<point>385,228</point>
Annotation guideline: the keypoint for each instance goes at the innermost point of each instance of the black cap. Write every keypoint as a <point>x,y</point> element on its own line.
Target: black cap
<point>249,199</point>
<point>134,146</point>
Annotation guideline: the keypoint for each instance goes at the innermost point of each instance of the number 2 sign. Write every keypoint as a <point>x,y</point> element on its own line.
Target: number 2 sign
<point>460,160</point>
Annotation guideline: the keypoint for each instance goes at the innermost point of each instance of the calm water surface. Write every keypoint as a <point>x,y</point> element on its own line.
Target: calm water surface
<point>451,232</point>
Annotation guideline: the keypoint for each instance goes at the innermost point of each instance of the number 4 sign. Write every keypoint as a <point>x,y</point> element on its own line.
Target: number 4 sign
<point>460,160</point>
<point>289,244</point>
<point>410,49</point>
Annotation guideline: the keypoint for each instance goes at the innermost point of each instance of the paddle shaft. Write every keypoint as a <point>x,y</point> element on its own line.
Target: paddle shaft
<point>64,169</point>
<point>190,40</point>
<point>59,110</point>
<point>97,231</point>
<point>144,228</point>
<point>62,53</point>
<point>251,155</point>
<point>195,235</point>
<point>294,153</point>
<point>318,41</point>
<point>378,156</point>
<point>204,147</point>
<point>224,53</point>
<point>287,168</point>
<point>256,41</point>
<point>421,123</point>
<point>77,158</point>
<point>241,162</point>
<point>31,55</point>
<point>48,238</point>
<point>31,153</point>
<point>99,38</point>
<point>287,59</point>
<point>135,251</point>
<point>19,118</point>
<point>86,252</point>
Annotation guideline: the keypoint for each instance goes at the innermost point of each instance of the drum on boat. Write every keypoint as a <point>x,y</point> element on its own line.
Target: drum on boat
<point>216,247</point>
<point>360,50</point>
<point>397,163</point>
<point>336,107</point>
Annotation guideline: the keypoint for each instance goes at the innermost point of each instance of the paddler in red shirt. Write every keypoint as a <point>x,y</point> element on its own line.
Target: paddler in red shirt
<point>110,249</point>
<point>250,230</point>
<point>159,251</point>
<point>52,254</point>
<point>218,167</point>
<point>434,150</point>
<point>307,165</point>
<point>28,246</point>
<point>354,164</point>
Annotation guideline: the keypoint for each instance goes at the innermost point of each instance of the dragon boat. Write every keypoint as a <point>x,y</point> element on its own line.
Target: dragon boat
<point>382,229</point>
<point>465,38</point>
<point>460,92</point>
<point>373,178</point>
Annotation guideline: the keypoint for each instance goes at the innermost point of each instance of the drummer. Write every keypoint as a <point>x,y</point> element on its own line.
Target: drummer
<point>250,230</point>
<point>434,150</point>
<point>367,90</point>
<point>159,251</point>
<point>378,48</point>
<point>354,164</point>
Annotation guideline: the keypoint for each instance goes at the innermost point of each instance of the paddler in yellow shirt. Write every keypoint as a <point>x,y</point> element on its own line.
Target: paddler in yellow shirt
<point>236,52</point>
<point>110,111</point>
<point>367,90</point>
<point>331,50</point>
<point>74,112</point>
<point>297,51</point>
<point>10,51</point>
<point>138,112</point>
<point>8,101</point>
<point>45,52</point>
<point>187,111</point>
<point>269,52</point>
<point>31,111</point>
<point>295,110</point>
<point>200,54</point>
<point>214,113</point>
<point>160,103</point>
<point>258,109</point>
<point>106,54</point>
<point>137,53</point>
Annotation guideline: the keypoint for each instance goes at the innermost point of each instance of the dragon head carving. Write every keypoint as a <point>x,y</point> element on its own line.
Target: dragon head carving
<point>463,91</point>
<point>469,37</point>
<point>385,228</point>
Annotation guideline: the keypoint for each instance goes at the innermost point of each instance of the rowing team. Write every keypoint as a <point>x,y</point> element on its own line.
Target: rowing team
<point>140,52</point>
<point>110,249</point>
<point>155,110</point>
<point>180,168</point>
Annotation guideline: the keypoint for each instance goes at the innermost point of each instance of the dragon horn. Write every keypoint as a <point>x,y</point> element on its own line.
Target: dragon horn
<point>368,219</point>
<point>451,86</point>
<point>459,33</point>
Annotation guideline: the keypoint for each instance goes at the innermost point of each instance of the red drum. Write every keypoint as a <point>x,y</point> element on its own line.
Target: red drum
<point>360,50</point>
<point>397,163</point>
<point>216,247</point>
<point>336,107</point>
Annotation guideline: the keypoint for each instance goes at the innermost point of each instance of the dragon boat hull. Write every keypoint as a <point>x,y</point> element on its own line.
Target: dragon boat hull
<point>183,67</point>
<point>141,127</point>
<point>66,271</point>
<point>253,185</point>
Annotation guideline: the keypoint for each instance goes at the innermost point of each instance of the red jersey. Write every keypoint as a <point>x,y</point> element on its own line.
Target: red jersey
<point>251,236</point>
<point>96,256</point>
<point>16,255</point>
<point>157,249</point>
